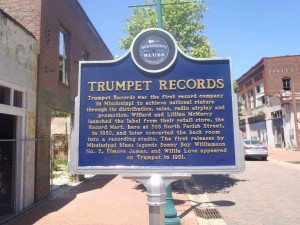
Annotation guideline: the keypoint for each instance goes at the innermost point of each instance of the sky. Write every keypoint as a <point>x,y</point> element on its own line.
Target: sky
<point>243,30</point>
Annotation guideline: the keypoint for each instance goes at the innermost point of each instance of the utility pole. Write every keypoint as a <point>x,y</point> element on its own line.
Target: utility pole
<point>159,6</point>
<point>294,103</point>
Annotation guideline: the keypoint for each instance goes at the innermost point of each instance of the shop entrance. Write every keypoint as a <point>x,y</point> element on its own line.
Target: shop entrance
<point>7,163</point>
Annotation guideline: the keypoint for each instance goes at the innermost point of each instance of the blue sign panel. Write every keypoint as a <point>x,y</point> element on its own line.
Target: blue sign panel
<point>176,116</point>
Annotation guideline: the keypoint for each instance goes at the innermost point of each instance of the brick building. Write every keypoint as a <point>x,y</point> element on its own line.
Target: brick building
<point>65,36</point>
<point>269,93</point>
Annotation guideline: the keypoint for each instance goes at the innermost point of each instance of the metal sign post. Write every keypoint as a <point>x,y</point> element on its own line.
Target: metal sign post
<point>157,197</point>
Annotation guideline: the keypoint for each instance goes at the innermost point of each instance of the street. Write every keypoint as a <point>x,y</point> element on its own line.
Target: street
<point>266,193</point>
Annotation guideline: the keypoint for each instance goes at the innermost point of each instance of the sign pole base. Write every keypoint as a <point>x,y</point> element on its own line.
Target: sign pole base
<point>171,217</point>
<point>156,199</point>
<point>157,186</point>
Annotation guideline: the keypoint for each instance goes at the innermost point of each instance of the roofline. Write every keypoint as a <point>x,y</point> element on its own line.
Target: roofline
<point>92,25</point>
<point>280,56</point>
<point>257,65</point>
<point>17,23</point>
<point>261,62</point>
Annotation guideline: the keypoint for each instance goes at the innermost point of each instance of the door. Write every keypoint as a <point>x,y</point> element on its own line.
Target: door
<point>7,158</point>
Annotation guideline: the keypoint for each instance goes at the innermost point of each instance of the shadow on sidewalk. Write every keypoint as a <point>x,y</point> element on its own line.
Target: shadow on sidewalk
<point>61,197</point>
<point>215,183</point>
<point>200,184</point>
<point>140,187</point>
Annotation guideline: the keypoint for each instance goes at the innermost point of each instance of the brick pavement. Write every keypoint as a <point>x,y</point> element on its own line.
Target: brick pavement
<point>287,158</point>
<point>292,156</point>
<point>102,200</point>
<point>112,200</point>
<point>264,194</point>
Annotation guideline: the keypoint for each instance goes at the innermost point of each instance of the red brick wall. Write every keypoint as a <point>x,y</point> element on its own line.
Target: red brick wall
<point>44,18</point>
<point>270,71</point>
<point>279,67</point>
<point>249,81</point>
<point>26,12</point>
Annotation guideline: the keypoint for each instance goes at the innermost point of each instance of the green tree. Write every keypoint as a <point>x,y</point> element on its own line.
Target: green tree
<point>183,21</point>
<point>235,87</point>
<point>236,90</point>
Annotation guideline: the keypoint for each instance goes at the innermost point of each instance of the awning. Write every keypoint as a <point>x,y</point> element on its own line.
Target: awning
<point>258,126</point>
<point>278,122</point>
<point>242,125</point>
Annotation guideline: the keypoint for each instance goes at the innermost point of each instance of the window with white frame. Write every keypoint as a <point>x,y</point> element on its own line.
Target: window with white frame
<point>11,97</point>
<point>250,104</point>
<point>286,83</point>
<point>260,95</point>
<point>4,95</point>
<point>276,114</point>
<point>242,101</point>
<point>260,89</point>
<point>260,101</point>
<point>63,58</point>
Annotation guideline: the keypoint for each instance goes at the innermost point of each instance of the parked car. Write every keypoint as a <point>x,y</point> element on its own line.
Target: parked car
<point>255,149</point>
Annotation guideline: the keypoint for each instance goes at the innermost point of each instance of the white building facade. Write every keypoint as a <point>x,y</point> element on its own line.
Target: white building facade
<point>270,97</point>
<point>18,85</point>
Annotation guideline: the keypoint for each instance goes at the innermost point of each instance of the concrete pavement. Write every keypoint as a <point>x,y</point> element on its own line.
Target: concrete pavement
<point>112,200</point>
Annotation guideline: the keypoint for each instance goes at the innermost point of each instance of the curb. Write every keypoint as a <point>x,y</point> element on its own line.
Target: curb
<point>285,164</point>
<point>200,202</point>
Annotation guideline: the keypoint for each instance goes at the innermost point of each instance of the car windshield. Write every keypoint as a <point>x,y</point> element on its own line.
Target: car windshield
<point>252,142</point>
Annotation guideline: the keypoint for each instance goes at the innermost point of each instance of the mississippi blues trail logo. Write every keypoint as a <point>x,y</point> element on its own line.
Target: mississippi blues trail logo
<point>154,50</point>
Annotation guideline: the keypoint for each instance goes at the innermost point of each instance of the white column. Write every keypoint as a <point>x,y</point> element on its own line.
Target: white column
<point>248,130</point>
<point>270,135</point>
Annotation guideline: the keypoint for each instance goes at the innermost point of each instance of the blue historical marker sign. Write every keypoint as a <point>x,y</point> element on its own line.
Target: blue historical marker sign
<point>156,110</point>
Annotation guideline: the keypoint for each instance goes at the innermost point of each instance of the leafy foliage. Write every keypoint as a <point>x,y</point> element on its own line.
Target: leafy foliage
<point>236,90</point>
<point>57,113</point>
<point>183,21</point>
<point>240,104</point>
<point>235,87</point>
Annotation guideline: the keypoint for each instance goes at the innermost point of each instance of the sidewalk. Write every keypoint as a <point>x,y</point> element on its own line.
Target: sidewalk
<point>112,200</point>
<point>102,200</point>
<point>288,158</point>
<point>284,155</point>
